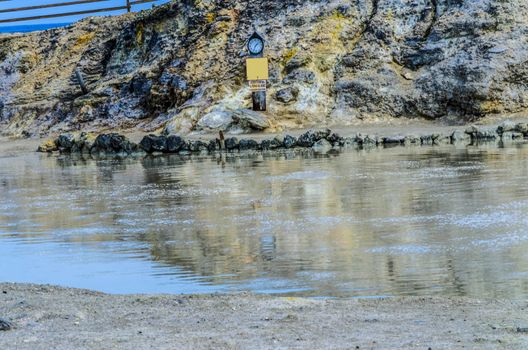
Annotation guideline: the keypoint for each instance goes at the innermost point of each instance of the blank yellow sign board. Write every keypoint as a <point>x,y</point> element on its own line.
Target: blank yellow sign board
<point>257,69</point>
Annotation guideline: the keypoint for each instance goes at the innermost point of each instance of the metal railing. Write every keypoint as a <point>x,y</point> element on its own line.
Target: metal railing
<point>127,5</point>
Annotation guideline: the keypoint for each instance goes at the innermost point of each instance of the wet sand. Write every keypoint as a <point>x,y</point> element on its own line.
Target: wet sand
<point>48,317</point>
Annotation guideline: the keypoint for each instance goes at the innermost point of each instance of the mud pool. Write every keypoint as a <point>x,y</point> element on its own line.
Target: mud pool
<point>382,222</point>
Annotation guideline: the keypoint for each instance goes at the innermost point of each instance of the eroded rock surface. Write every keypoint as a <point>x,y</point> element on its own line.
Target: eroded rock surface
<point>181,65</point>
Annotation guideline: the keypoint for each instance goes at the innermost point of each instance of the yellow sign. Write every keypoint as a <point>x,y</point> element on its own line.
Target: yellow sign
<point>257,69</point>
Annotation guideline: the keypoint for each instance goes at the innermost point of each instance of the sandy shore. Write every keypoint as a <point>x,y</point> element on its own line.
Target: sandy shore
<point>48,317</point>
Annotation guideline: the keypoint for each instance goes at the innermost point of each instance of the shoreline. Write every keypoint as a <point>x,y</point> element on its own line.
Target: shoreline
<point>64,318</point>
<point>319,140</point>
<point>399,134</point>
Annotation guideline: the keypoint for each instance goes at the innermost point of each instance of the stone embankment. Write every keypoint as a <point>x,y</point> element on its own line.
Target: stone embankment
<point>321,141</point>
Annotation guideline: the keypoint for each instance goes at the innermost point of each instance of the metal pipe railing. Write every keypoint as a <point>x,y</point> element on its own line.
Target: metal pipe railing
<point>127,5</point>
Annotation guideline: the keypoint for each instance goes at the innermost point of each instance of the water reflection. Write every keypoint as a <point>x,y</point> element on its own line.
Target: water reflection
<point>398,221</point>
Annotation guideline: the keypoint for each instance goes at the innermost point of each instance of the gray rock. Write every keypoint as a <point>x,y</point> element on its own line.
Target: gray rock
<point>334,138</point>
<point>65,142</point>
<point>289,141</point>
<point>312,136</point>
<point>522,329</point>
<point>287,95</point>
<point>512,135</point>
<point>487,134</point>
<point>248,144</point>
<point>397,139</point>
<point>300,75</point>
<point>442,139</point>
<point>348,142</point>
<point>5,325</point>
<point>246,118</point>
<point>412,140</point>
<point>231,143</point>
<point>174,143</point>
<point>270,144</point>
<point>482,133</point>
<point>112,143</point>
<point>426,139</point>
<point>370,140</point>
<point>298,61</point>
<point>280,139</point>
<point>460,137</point>
<point>216,120</point>
<point>307,139</point>
<point>322,146</point>
<point>506,126</point>
<point>213,145</point>
<point>197,146</point>
<point>359,138</point>
<point>522,128</point>
<point>154,143</point>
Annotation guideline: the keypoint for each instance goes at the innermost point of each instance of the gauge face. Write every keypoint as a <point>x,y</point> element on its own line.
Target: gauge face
<point>256,46</point>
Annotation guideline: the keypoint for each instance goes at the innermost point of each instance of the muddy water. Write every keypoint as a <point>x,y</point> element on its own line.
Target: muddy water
<point>399,221</point>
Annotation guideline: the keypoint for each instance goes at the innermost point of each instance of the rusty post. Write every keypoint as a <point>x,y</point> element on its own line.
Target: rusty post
<point>222,139</point>
<point>128,5</point>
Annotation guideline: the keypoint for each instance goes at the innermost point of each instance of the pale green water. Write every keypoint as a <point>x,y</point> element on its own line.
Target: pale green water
<point>400,221</point>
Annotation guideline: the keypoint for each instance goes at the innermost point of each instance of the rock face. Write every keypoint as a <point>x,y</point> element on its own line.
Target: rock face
<point>181,65</point>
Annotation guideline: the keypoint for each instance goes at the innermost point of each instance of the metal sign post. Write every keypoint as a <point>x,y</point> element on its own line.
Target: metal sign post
<point>257,71</point>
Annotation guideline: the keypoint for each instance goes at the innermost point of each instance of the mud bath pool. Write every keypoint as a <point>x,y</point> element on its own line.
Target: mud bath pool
<point>405,221</point>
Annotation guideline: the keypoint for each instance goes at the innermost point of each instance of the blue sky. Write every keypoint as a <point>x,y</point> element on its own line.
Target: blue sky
<point>73,8</point>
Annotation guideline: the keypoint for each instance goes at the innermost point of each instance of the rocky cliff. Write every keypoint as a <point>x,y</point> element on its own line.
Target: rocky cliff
<point>181,66</point>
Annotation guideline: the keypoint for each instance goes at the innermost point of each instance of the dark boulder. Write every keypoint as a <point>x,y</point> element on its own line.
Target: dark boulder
<point>65,142</point>
<point>248,144</point>
<point>159,144</point>
<point>312,136</point>
<point>289,141</point>
<point>174,144</point>
<point>301,76</point>
<point>506,126</point>
<point>460,137</point>
<point>426,139</point>
<point>270,144</point>
<point>213,145</point>
<point>398,139</point>
<point>231,143</point>
<point>153,143</point>
<point>110,143</point>
<point>334,138</point>
<point>482,133</point>
<point>522,128</point>
<point>197,146</point>
<point>287,95</point>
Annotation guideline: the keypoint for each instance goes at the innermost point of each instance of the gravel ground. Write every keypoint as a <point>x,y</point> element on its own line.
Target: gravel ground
<point>48,317</point>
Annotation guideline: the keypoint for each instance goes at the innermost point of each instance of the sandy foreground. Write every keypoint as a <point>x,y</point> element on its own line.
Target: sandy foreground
<point>49,317</point>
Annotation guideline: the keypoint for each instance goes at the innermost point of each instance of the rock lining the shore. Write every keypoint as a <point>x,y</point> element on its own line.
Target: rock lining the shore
<point>321,141</point>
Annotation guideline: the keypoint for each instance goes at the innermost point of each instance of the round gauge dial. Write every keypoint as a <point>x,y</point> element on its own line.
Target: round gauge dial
<point>255,46</point>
